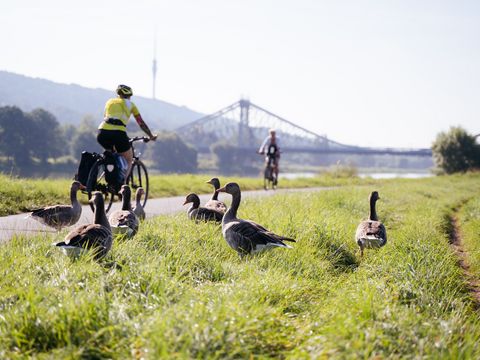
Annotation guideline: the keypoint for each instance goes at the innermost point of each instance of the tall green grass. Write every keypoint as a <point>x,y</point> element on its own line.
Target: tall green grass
<point>178,291</point>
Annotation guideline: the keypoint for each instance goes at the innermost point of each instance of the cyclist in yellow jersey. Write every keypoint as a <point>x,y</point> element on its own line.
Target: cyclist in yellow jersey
<point>112,132</point>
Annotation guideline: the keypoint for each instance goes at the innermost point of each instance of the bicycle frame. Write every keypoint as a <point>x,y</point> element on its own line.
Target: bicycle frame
<point>97,182</point>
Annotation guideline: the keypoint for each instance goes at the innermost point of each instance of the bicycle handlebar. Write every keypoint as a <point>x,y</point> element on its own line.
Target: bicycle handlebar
<point>145,139</point>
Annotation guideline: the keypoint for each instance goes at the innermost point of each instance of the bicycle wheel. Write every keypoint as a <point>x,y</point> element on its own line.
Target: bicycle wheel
<point>274,180</point>
<point>139,178</point>
<point>96,182</point>
<point>267,177</point>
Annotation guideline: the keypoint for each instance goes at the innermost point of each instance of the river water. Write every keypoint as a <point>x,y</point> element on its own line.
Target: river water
<point>374,175</point>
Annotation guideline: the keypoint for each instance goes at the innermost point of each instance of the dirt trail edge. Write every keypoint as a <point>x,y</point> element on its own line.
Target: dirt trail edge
<point>456,244</point>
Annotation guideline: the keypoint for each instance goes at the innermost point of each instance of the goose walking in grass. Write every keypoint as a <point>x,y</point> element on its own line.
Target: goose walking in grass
<point>96,237</point>
<point>196,212</point>
<point>60,216</point>
<point>138,209</point>
<point>214,203</point>
<point>246,236</point>
<point>371,233</point>
<point>124,221</point>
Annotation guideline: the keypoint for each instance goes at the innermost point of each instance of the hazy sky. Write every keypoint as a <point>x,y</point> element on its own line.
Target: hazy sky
<point>371,73</point>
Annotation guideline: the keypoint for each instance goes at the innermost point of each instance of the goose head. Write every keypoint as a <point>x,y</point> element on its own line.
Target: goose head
<point>374,196</point>
<point>139,193</point>
<point>191,198</point>
<point>76,186</point>
<point>215,182</point>
<point>231,188</point>
<point>97,199</point>
<point>125,191</point>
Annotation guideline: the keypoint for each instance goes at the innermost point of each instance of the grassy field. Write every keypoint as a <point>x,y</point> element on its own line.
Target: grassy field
<point>178,291</point>
<point>20,195</point>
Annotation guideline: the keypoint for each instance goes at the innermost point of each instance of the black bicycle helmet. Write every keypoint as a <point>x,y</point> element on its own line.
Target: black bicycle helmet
<point>124,90</point>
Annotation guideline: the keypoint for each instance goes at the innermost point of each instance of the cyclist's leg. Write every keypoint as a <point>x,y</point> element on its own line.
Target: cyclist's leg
<point>128,155</point>
<point>123,147</point>
<point>275,166</point>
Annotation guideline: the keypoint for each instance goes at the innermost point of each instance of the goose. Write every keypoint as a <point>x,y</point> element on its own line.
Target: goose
<point>371,233</point>
<point>195,212</point>
<point>60,216</point>
<point>138,209</point>
<point>214,203</point>
<point>96,236</point>
<point>246,236</point>
<point>124,221</point>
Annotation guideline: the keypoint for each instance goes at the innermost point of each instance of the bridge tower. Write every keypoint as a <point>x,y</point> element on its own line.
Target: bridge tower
<point>245,135</point>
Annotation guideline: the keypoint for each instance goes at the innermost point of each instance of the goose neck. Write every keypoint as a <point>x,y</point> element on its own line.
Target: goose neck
<point>232,210</point>
<point>73,196</point>
<point>101,216</point>
<point>195,203</point>
<point>126,205</point>
<point>373,212</point>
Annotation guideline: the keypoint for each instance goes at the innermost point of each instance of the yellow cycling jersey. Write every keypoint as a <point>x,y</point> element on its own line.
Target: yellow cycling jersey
<point>118,109</point>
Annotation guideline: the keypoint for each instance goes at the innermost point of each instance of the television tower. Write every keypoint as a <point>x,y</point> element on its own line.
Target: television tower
<point>154,65</point>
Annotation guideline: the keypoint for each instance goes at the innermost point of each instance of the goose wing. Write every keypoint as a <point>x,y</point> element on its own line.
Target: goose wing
<point>139,211</point>
<point>88,236</point>
<point>248,236</point>
<point>124,219</point>
<point>129,219</point>
<point>56,215</point>
<point>216,205</point>
<point>372,233</point>
<point>206,214</point>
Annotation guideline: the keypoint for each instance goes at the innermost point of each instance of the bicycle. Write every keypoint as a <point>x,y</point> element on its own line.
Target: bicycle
<point>138,177</point>
<point>269,175</point>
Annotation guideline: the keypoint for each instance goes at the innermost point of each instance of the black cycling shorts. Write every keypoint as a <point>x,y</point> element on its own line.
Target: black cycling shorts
<point>114,139</point>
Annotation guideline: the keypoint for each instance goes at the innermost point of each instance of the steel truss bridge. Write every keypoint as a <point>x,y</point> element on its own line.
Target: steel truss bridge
<point>245,125</point>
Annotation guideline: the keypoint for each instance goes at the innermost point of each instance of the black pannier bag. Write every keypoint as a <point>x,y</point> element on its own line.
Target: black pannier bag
<point>115,169</point>
<point>111,169</point>
<point>86,162</point>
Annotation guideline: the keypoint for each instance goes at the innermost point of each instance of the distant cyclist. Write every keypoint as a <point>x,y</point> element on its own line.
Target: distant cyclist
<point>271,148</point>
<point>112,132</point>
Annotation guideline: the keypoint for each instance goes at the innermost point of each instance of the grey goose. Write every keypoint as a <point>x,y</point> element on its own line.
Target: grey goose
<point>371,233</point>
<point>196,212</point>
<point>138,209</point>
<point>124,221</point>
<point>214,203</point>
<point>60,216</point>
<point>96,237</point>
<point>246,236</point>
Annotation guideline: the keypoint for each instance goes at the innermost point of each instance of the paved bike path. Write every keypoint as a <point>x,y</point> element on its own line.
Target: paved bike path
<point>22,224</point>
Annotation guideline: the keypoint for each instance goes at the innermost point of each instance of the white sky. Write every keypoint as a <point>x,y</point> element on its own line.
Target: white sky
<point>365,72</point>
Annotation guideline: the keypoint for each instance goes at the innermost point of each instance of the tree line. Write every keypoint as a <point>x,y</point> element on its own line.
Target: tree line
<point>36,143</point>
<point>456,150</point>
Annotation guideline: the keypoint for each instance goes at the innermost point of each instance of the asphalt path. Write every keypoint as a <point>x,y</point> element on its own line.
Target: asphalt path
<point>23,224</point>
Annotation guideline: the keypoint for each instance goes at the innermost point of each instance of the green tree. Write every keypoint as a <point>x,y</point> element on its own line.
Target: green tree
<point>16,136</point>
<point>85,138</point>
<point>225,156</point>
<point>170,154</point>
<point>48,140</point>
<point>456,151</point>
<point>232,160</point>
